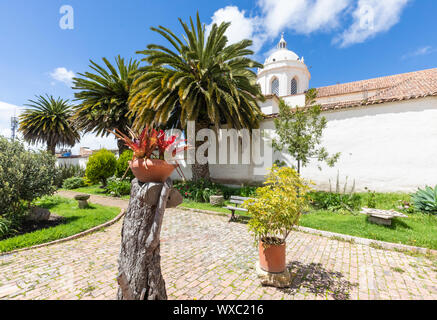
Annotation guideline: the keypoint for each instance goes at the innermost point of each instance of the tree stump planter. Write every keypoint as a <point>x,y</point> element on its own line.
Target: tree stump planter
<point>139,261</point>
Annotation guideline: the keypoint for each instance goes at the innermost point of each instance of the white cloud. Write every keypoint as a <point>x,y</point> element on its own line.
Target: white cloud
<point>423,51</point>
<point>302,16</point>
<point>242,27</point>
<point>63,75</point>
<point>370,18</point>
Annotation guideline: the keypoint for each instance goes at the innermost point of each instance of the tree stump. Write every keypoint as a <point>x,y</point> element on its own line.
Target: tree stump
<point>139,267</point>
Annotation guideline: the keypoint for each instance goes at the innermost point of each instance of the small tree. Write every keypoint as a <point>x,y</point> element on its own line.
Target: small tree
<point>300,132</point>
<point>278,205</point>
<point>101,166</point>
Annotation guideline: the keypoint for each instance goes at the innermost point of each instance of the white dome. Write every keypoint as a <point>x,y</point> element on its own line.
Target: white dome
<point>282,54</point>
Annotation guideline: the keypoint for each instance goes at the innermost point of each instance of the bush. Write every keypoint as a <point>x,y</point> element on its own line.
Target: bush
<point>336,201</point>
<point>64,172</point>
<point>101,165</point>
<point>341,200</point>
<point>425,200</point>
<point>122,165</point>
<point>278,205</point>
<point>201,190</point>
<point>24,176</point>
<point>117,187</point>
<point>73,183</point>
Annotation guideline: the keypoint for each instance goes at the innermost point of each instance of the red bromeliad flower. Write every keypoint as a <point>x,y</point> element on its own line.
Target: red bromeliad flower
<point>148,141</point>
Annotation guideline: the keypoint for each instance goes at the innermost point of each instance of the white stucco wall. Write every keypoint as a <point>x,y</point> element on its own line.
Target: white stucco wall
<point>72,161</point>
<point>387,147</point>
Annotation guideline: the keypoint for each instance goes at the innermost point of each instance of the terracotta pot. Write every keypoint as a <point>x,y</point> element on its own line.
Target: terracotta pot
<point>272,257</point>
<point>156,170</point>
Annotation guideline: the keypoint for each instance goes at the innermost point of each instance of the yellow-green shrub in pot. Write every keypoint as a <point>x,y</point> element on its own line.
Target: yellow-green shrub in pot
<point>274,212</point>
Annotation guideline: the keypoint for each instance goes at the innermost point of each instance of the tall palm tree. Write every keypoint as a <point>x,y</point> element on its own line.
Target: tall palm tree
<point>48,120</point>
<point>200,78</point>
<point>103,98</point>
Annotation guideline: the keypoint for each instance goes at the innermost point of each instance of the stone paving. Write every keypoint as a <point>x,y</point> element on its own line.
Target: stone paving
<point>205,257</point>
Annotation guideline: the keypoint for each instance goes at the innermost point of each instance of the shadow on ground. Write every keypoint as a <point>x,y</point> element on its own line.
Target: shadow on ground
<point>315,279</point>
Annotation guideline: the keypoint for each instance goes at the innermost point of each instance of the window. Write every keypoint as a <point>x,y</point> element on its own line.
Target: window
<point>275,87</point>
<point>294,86</point>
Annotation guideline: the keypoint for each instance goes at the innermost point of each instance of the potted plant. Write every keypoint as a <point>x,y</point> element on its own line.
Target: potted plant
<point>274,213</point>
<point>149,147</point>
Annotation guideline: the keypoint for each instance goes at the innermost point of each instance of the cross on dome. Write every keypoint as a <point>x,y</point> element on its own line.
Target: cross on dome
<point>282,43</point>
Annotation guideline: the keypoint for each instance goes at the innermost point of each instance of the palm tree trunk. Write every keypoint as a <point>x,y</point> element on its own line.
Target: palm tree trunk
<point>51,148</point>
<point>200,171</point>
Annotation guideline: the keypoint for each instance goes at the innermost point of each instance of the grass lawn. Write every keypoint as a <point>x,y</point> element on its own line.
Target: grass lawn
<point>76,220</point>
<point>94,189</point>
<point>204,206</point>
<point>417,230</point>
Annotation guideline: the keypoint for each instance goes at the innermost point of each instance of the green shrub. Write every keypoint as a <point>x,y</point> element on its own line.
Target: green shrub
<point>122,165</point>
<point>425,200</point>
<point>341,200</point>
<point>101,165</point>
<point>336,201</point>
<point>201,190</point>
<point>24,176</point>
<point>65,171</point>
<point>73,183</point>
<point>278,206</point>
<point>117,187</point>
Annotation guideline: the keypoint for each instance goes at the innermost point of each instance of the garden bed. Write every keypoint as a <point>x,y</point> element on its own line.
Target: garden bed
<point>72,221</point>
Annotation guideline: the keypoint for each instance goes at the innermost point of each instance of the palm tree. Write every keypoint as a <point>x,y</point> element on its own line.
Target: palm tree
<point>199,78</point>
<point>48,120</point>
<point>103,98</point>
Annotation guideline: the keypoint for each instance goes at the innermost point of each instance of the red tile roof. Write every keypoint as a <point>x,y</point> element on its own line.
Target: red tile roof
<point>398,87</point>
<point>405,86</point>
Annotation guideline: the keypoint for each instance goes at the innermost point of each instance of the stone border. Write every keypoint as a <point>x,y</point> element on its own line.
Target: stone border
<point>344,237</point>
<point>74,236</point>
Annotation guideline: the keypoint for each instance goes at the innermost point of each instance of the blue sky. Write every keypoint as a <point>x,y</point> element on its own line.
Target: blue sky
<point>341,40</point>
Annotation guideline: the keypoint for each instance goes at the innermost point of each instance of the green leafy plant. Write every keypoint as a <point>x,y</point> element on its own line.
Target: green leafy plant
<point>65,171</point>
<point>371,199</point>
<point>117,187</point>
<point>425,200</point>
<point>202,189</point>
<point>341,200</point>
<point>73,183</point>
<point>248,191</point>
<point>24,176</point>
<point>278,206</point>
<point>101,165</point>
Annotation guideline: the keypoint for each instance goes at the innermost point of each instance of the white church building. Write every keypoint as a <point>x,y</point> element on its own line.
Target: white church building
<point>385,128</point>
